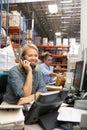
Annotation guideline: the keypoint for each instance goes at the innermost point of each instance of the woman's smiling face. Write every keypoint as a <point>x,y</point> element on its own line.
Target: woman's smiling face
<point>31,55</point>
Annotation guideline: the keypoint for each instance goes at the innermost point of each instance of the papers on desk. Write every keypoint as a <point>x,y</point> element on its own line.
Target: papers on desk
<point>11,114</point>
<point>70,114</point>
<point>54,87</point>
<point>10,107</point>
<point>52,83</point>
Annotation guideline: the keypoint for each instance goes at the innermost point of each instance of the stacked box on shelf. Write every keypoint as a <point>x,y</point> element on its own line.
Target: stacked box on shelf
<point>3,18</point>
<point>38,40</point>
<point>29,33</point>
<point>16,48</point>
<point>45,41</point>
<point>3,25</point>
<point>59,51</point>
<point>15,36</point>
<point>16,31</point>
<point>58,41</point>
<point>64,61</point>
<point>50,43</point>
<point>14,18</point>
<point>3,36</point>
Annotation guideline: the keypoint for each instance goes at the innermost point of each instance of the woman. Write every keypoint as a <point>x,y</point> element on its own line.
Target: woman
<point>24,83</point>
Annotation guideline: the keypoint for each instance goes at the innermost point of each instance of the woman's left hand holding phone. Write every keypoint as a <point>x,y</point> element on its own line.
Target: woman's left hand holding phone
<point>26,65</point>
<point>28,82</point>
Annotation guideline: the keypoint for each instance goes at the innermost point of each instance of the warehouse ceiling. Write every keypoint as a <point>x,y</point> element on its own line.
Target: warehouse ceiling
<point>66,20</point>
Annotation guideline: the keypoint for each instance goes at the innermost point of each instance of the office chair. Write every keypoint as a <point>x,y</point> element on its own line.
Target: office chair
<point>3,83</point>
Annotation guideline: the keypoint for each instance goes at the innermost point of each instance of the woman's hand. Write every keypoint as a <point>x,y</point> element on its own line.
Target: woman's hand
<point>26,65</point>
<point>26,100</point>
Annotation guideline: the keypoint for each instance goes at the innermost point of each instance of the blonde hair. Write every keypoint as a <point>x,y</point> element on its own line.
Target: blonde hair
<point>25,48</point>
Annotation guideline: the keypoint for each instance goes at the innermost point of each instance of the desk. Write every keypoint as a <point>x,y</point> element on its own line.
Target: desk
<point>53,87</point>
<point>33,127</point>
<point>47,120</point>
<point>38,127</point>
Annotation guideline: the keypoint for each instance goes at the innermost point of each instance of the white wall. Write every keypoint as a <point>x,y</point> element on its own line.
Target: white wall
<point>83,33</point>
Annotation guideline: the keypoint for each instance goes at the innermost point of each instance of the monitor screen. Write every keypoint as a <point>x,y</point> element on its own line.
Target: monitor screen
<point>46,103</point>
<point>79,76</point>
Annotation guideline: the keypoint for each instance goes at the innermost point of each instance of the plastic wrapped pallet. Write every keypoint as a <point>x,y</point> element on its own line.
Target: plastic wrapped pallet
<point>14,18</point>
<point>7,58</point>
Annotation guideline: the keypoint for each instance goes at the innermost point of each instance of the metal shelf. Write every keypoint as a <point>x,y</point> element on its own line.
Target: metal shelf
<point>54,49</point>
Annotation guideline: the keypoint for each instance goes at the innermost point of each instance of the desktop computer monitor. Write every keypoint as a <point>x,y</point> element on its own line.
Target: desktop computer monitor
<point>80,76</point>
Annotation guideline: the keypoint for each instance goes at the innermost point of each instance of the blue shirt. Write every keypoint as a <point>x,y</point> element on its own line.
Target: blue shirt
<point>16,80</point>
<point>46,70</point>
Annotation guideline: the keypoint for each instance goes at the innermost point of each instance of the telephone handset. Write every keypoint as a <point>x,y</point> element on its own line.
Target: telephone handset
<point>31,64</point>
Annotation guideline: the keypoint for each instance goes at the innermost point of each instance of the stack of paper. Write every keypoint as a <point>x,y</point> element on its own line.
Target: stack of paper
<point>11,116</point>
<point>70,114</point>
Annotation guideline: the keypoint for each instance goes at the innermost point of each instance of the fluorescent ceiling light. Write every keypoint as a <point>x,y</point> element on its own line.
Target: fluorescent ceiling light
<point>53,8</point>
<point>69,11</point>
<point>58,33</point>
<point>65,22</point>
<point>64,29</point>
<point>65,26</point>
<point>66,17</point>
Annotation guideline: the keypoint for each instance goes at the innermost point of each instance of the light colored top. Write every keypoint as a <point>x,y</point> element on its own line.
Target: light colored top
<point>46,70</point>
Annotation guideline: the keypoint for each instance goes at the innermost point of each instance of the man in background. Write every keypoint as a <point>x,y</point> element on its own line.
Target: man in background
<point>47,69</point>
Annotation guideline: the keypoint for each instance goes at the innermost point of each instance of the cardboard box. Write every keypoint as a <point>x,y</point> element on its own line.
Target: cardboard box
<point>3,18</point>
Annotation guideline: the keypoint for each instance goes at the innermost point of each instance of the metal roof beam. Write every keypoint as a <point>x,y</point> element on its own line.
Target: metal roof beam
<point>22,1</point>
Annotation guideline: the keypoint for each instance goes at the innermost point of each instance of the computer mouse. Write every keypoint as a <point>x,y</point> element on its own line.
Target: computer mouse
<point>70,100</point>
<point>70,95</point>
